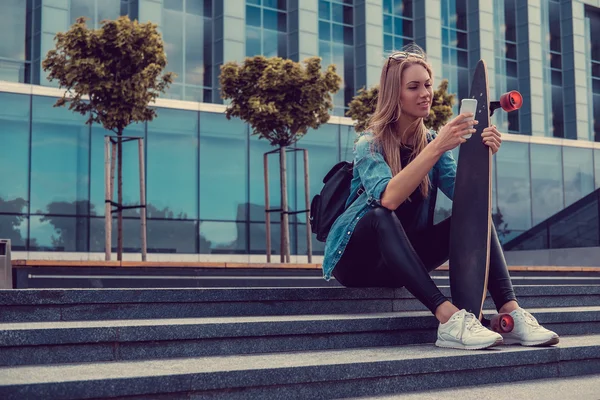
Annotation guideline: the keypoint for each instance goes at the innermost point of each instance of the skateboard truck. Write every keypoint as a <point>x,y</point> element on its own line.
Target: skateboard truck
<point>509,101</point>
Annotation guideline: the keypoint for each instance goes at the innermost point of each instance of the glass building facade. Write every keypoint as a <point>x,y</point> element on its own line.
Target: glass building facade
<point>204,173</point>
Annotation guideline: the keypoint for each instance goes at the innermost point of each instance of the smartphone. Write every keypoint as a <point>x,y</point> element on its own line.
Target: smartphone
<point>468,105</point>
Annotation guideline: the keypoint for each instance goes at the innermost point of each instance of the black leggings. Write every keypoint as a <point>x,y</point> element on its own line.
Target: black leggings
<point>381,254</point>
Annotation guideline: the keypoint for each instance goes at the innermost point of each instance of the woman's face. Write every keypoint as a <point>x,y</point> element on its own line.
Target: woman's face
<point>416,93</point>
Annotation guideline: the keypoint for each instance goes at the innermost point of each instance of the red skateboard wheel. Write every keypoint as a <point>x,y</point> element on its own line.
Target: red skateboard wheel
<point>511,101</point>
<point>502,323</point>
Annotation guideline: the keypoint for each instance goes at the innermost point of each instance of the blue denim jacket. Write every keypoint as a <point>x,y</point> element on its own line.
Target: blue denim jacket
<point>373,174</point>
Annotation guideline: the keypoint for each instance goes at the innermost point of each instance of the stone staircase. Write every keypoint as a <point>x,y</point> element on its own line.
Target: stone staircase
<point>284,343</point>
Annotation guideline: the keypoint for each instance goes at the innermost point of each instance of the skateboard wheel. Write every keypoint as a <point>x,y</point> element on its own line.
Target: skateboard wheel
<point>511,101</point>
<point>502,323</point>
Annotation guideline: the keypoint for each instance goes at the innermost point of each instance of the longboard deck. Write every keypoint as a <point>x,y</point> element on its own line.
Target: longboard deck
<point>471,209</point>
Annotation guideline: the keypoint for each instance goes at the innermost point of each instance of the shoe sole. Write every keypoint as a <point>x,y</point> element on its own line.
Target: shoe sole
<point>458,346</point>
<point>549,342</point>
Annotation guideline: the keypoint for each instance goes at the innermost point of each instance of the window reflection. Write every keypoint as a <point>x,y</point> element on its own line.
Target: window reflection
<point>57,233</point>
<point>14,152</point>
<point>223,237</point>
<point>578,173</point>
<point>397,25</point>
<point>172,166</point>
<point>266,29</point>
<point>223,168</point>
<point>14,55</point>
<point>172,236</point>
<point>59,158</point>
<point>258,239</point>
<point>455,49</point>
<point>597,167</point>
<point>131,235</point>
<point>14,227</point>
<point>552,53</point>
<point>546,181</point>
<point>514,186</point>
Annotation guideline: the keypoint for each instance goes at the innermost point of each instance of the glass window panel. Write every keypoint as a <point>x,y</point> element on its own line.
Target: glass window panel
<point>461,14</point>
<point>257,180</point>
<point>445,14</point>
<point>318,248</point>
<point>555,61</point>
<point>131,170</point>
<point>83,8</point>
<point>223,237</point>
<point>253,41</point>
<point>388,43</point>
<point>511,68</point>
<point>253,16</point>
<point>14,152</point>
<point>223,168</point>
<point>578,228</point>
<point>176,5</point>
<point>14,227</point>
<point>557,78</point>
<point>282,22</point>
<point>172,164</point>
<point>337,13</point>
<point>514,186</point>
<point>398,42</point>
<point>462,58</point>
<point>387,6</point>
<point>13,22</point>
<point>578,173</point>
<point>195,7</point>
<point>387,24</point>
<point>131,235</point>
<point>59,158</point>
<point>282,44</point>
<point>108,9</point>
<point>55,233</point>
<point>557,111</point>
<point>322,145</point>
<point>258,239</point>
<point>270,44</point>
<point>325,52</point>
<point>461,40</point>
<point>546,181</point>
<point>338,33</point>
<point>270,19</point>
<point>172,236</point>
<point>324,9</point>
<point>324,30</point>
<point>348,36</point>
<point>194,50</point>
<point>257,2</point>
<point>348,138</point>
<point>173,37</point>
<point>348,15</point>
<point>596,70</point>
<point>511,51</point>
<point>407,6</point>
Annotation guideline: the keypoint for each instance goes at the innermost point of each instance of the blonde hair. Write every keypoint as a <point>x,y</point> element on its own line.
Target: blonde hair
<point>389,109</point>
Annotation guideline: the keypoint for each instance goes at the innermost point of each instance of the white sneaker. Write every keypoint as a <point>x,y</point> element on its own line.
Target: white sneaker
<point>528,332</point>
<point>464,331</point>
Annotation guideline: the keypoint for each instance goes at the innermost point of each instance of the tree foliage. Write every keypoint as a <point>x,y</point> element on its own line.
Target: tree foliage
<point>117,67</point>
<point>363,105</point>
<point>280,99</point>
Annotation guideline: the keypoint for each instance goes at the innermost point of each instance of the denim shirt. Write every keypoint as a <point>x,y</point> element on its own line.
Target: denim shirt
<point>370,178</point>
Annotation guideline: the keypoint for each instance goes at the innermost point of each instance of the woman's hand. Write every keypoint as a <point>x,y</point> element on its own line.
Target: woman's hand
<point>492,138</point>
<point>451,134</point>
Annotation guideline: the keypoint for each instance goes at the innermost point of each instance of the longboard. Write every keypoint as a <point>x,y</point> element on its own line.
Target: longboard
<point>470,230</point>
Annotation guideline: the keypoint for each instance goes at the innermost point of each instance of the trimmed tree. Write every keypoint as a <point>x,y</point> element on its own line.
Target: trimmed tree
<point>363,105</point>
<point>280,99</point>
<point>112,75</point>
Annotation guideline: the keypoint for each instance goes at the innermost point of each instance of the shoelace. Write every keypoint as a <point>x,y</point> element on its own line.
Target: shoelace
<point>530,319</point>
<point>472,323</point>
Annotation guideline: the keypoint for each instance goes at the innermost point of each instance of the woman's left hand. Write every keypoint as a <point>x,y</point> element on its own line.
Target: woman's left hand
<point>492,138</point>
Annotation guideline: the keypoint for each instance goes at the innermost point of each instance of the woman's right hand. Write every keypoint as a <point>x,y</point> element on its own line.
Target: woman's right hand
<point>451,134</point>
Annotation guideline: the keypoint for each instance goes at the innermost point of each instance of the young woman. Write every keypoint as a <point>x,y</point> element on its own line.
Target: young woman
<point>386,236</point>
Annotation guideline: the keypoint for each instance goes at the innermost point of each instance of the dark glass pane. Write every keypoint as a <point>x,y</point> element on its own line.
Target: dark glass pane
<point>256,2</point>
<point>556,78</point>
<point>253,16</point>
<point>461,14</point>
<point>398,42</point>
<point>348,15</point>
<point>282,44</point>
<point>59,158</point>
<point>596,85</point>
<point>514,191</point>
<point>131,170</point>
<point>407,8</point>
<point>388,43</point>
<point>223,158</point>
<point>338,33</point>
<point>14,228</point>
<point>513,122</point>
<point>510,19</point>
<point>348,35</point>
<point>318,248</point>
<point>511,68</point>
<point>511,51</point>
<point>578,228</point>
<point>14,152</point>
<point>597,167</point>
<point>282,22</point>
<point>273,3</point>
<point>223,237</point>
<point>387,6</point>
<point>557,111</point>
<point>555,61</point>
<point>596,70</point>
<point>445,37</point>
<point>172,236</point>
<point>546,181</point>
<point>596,120</point>
<point>462,42</point>
<point>56,233</point>
<point>578,173</point>
<point>462,59</point>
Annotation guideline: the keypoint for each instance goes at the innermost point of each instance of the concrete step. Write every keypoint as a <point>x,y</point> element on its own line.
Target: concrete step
<point>32,343</point>
<point>309,374</point>
<point>101,304</point>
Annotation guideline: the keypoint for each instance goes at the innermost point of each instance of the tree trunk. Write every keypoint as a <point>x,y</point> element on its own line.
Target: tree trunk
<point>120,200</point>
<point>285,229</point>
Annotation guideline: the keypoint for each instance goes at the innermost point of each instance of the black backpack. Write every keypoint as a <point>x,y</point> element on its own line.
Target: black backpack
<point>330,203</point>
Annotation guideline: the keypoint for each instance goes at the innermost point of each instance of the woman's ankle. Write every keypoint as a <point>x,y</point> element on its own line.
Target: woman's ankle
<point>445,311</point>
<point>509,307</point>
